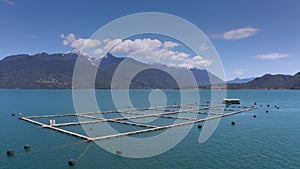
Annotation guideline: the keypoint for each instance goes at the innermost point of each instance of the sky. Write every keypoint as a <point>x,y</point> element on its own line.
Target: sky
<point>252,37</point>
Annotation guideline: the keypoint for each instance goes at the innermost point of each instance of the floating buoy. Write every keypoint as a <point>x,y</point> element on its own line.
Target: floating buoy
<point>277,107</point>
<point>254,116</point>
<point>72,162</point>
<point>10,152</point>
<point>232,123</point>
<point>267,111</point>
<point>26,147</point>
<point>268,105</point>
<point>119,152</point>
<point>13,114</point>
<point>260,105</point>
<point>254,103</point>
<point>207,102</point>
<point>199,126</point>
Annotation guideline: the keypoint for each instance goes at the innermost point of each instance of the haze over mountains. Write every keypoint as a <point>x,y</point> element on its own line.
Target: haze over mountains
<point>55,71</point>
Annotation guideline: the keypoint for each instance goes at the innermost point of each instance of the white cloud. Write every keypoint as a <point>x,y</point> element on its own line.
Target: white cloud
<point>195,62</point>
<point>80,43</point>
<point>240,33</point>
<point>69,39</point>
<point>106,40</point>
<point>8,2</point>
<point>137,46</point>
<point>204,47</point>
<point>163,52</point>
<point>98,51</point>
<point>111,43</point>
<point>272,56</point>
<point>239,72</point>
<point>150,48</point>
<point>145,50</point>
<point>170,44</point>
<point>179,56</point>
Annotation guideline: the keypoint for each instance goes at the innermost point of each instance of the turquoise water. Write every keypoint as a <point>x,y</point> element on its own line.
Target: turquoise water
<point>271,140</point>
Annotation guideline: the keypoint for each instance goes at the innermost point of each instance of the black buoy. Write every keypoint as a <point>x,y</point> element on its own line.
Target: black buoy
<point>277,107</point>
<point>260,105</point>
<point>232,123</point>
<point>26,147</point>
<point>254,103</point>
<point>254,116</point>
<point>72,162</point>
<point>199,126</point>
<point>119,152</point>
<point>10,152</point>
<point>13,114</point>
<point>267,111</point>
<point>207,102</point>
<point>268,105</point>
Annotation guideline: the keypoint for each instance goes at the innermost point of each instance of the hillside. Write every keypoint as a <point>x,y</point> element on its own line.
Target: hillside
<point>269,81</point>
<point>239,80</point>
<point>55,71</point>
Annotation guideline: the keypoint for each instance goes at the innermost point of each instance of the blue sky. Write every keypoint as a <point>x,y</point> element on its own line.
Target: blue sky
<point>252,37</point>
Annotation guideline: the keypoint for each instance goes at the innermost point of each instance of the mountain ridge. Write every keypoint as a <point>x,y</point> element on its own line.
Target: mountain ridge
<point>269,81</point>
<point>241,80</point>
<point>55,71</point>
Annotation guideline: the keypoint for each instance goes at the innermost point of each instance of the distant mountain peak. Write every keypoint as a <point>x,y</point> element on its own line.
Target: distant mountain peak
<point>241,80</point>
<point>74,52</point>
<point>42,53</point>
<point>108,56</point>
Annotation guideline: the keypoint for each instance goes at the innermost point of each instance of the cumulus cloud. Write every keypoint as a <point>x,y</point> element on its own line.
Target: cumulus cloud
<point>170,44</point>
<point>69,39</point>
<point>155,50</point>
<point>195,62</point>
<point>137,46</point>
<point>272,56</point>
<point>80,43</point>
<point>179,56</point>
<point>240,33</point>
<point>150,48</point>
<point>204,47</point>
<point>142,49</point>
<point>239,72</point>
<point>98,51</point>
<point>111,43</point>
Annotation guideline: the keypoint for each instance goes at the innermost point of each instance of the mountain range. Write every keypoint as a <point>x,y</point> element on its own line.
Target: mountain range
<point>269,81</point>
<point>239,80</point>
<point>55,71</point>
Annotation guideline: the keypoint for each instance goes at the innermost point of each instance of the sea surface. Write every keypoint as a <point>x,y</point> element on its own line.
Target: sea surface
<point>269,141</point>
